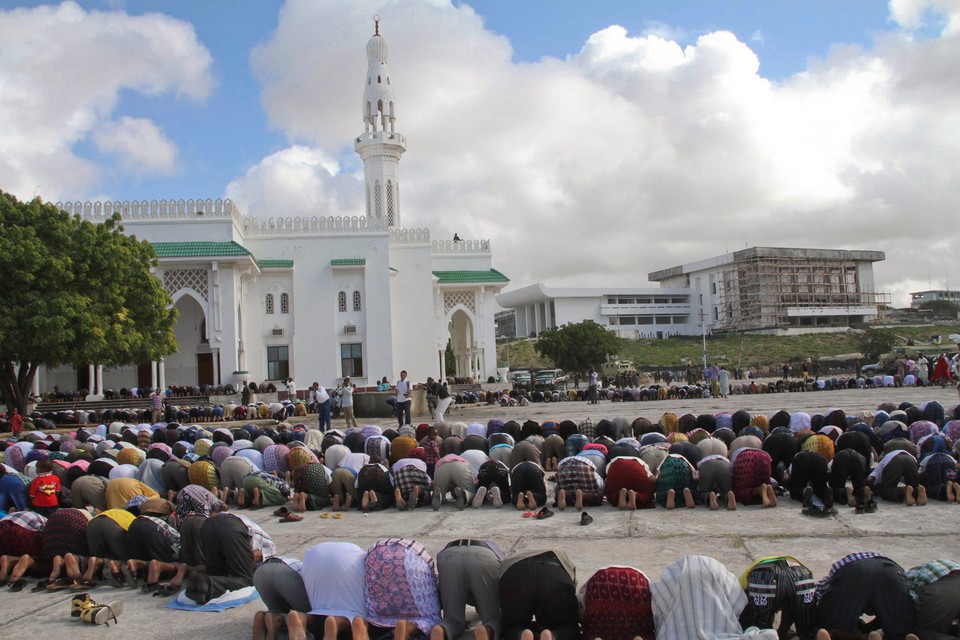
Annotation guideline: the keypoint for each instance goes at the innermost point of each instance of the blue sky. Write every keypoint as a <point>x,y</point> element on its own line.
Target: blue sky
<point>776,123</point>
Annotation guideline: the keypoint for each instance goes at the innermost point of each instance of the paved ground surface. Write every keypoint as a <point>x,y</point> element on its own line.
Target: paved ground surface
<point>648,540</point>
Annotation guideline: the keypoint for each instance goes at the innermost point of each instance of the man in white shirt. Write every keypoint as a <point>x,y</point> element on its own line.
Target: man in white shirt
<point>404,401</point>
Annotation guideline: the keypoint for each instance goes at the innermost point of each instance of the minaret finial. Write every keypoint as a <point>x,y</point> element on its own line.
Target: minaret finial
<point>376,25</point>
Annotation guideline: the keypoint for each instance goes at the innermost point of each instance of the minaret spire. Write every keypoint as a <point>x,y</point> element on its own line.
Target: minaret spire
<point>380,146</point>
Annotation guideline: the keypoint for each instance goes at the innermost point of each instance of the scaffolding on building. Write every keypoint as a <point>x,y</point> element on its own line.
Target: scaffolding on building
<point>778,292</point>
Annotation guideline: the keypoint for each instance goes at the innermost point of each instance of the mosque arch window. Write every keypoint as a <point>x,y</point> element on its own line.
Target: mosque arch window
<point>357,306</point>
<point>377,200</point>
<point>284,303</point>
<point>342,302</point>
<point>269,303</point>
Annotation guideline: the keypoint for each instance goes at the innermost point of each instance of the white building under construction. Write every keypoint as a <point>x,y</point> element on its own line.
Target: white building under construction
<point>761,289</point>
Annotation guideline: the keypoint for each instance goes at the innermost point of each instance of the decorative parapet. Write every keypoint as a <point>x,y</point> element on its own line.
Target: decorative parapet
<point>314,224</point>
<point>151,210</point>
<point>461,246</point>
<point>409,236</point>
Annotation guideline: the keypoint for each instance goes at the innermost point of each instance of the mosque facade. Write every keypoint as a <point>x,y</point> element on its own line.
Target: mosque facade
<point>313,298</point>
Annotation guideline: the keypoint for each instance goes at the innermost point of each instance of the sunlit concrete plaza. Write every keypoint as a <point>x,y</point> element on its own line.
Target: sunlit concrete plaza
<point>646,539</point>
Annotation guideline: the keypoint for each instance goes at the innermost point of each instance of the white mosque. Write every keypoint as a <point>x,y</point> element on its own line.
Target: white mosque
<point>313,298</point>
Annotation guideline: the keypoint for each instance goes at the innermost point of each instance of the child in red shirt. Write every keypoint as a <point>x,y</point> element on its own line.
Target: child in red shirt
<point>45,488</point>
<point>16,423</point>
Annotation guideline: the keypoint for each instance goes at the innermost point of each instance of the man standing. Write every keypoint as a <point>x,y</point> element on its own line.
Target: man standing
<point>593,385</point>
<point>323,407</point>
<point>443,400</point>
<point>403,399</point>
<point>346,402</point>
<point>156,406</point>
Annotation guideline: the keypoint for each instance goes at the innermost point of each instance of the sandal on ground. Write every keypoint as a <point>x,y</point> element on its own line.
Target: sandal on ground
<point>544,513</point>
<point>528,514</point>
<point>119,578</point>
<point>165,590</point>
<point>58,584</point>
<point>82,583</point>
<point>291,517</point>
<point>338,516</point>
<point>150,586</point>
<point>40,586</point>
<point>282,512</point>
<point>18,586</point>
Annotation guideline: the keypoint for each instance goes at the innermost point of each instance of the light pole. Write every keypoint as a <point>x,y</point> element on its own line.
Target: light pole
<point>703,327</point>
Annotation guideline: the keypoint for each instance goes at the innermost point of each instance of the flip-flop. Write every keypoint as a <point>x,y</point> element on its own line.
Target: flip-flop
<point>544,513</point>
<point>81,584</point>
<point>281,512</point>
<point>18,586</point>
<point>58,584</point>
<point>291,517</point>
<point>119,578</point>
<point>528,514</point>
<point>165,590</point>
<point>150,586</point>
<point>40,586</point>
<point>325,515</point>
<point>338,516</point>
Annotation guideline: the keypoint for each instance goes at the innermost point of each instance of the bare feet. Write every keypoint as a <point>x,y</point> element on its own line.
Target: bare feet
<point>562,506</point>
<point>296,625</point>
<point>671,499</point>
<point>359,629</point>
<point>579,500</point>
<point>336,502</point>
<point>347,503</point>
<point>956,491</point>
<point>531,501</point>
<point>688,498</point>
<point>274,623</point>
<point>622,501</point>
<point>437,633</point>
<point>712,500</point>
<point>365,502</point>
<point>330,628</point>
<point>497,497</point>
<point>731,501</point>
<point>413,503</point>
<point>632,500</point>
<point>546,634</point>
<point>483,632</point>
<point>908,498</point>
<point>526,635</point>
<point>950,492</point>
<point>398,499</point>
<point>823,634</point>
<point>769,496</point>
<point>241,498</point>
<point>851,502</point>
<point>921,495</point>
<point>521,500</point>
<point>255,503</point>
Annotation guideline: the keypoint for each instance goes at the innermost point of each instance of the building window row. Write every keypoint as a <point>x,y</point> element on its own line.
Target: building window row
<point>640,320</point>
<point>647,300</point>
<point>284,303</point>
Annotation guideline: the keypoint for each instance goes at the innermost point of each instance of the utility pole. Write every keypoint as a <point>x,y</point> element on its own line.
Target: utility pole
<point>703,327</point>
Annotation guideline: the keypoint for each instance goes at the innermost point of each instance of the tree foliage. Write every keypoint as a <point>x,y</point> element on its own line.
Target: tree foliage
<point>76,293</point>
<point>577,347</point>
<point>876,342</point>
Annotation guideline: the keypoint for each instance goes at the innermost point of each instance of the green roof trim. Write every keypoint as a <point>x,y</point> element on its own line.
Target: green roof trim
<point>198,249</point>
<point>348,262</point>
<point>275,264</point>
<point>454,277</point>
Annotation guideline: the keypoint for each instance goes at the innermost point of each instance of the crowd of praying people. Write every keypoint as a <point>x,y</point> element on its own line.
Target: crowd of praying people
<point>158,506</point>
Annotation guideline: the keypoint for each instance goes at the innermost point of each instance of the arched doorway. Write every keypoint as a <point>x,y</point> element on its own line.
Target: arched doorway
<point>463,341</point>
<point>193,363</point>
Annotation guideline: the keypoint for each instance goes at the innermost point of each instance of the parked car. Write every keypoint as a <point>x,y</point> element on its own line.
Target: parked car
<point>549,379</point>
<point>522,379</point>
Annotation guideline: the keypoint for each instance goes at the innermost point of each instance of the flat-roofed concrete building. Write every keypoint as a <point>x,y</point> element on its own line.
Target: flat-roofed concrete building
<point>631,312</point>
<point>780,290</point>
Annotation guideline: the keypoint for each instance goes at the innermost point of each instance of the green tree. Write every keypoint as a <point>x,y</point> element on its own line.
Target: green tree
<point>876,342</point>
<point>577,347</point>
<point>76,293</point>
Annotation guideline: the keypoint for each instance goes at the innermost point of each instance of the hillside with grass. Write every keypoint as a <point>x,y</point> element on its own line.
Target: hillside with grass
<point>762,353</point>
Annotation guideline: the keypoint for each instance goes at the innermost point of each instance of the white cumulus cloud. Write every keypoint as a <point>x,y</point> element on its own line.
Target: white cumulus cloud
<point>62,70</point>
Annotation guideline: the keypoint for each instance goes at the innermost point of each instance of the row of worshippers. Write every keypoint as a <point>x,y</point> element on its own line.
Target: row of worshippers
<point>899,453</point>
<point>395,586</point>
